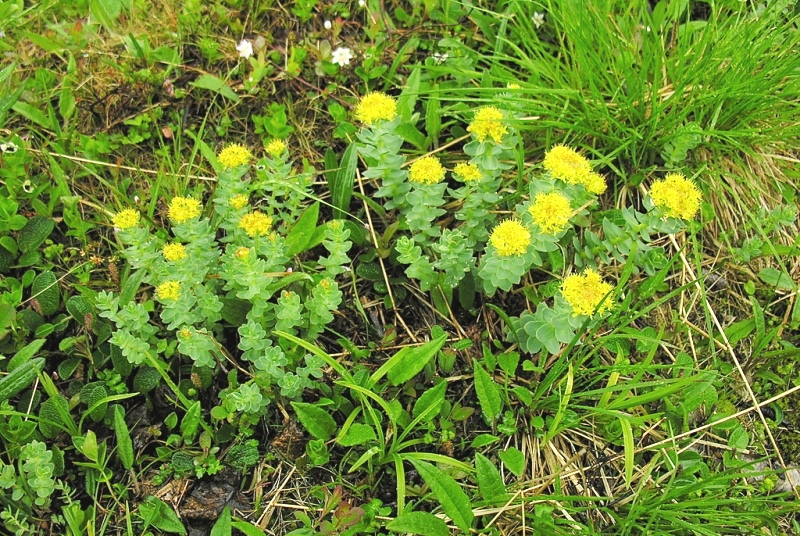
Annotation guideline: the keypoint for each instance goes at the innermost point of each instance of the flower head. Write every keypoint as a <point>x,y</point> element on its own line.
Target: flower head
<point>255,224</point>
<point>234,155</point>
<point>242,253</point>
<point>238,202</point>
<point>566,164</point>
<point>126,219</point>
<point>676,196</point>
<point>275,147</point>
<point>342,56</point>
<point>595,183</point>
<point>510,237</point>
<point>488,123</point>
<point>376,106</point>
<point>426,170</point>
<point>468,172</point>
<point>183,209</point>
<point>551,212</point>
<point>245,48</point>
<point>169,290</point>
<point>586,292</point>
<point>174,251</point>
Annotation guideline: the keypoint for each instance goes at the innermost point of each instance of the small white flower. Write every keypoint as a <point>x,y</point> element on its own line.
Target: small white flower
<point>440,58</point>
<point>538,19</point>
<point>9,147</point>
<point>328,25</point>
<point>342,56</point>
<point>362,3</point>
<point>245,48</point>
<point>2,34</point>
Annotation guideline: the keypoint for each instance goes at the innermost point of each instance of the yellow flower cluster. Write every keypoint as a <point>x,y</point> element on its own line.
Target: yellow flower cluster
<point>426,170</point>
<point>126,219</point>
<point>239,202</point>
<point>551,212</point>
<point>242,253</point>
<point>488,123</point>
<point>275,147</point>
<point>170,290</point>
<point>566,164</point>
<point>569,166</point>
<point>677,196</point>
<point>183,209</point>
<point>234,155</point>
<point>376,106</point>
<point>595,183</point>
<point>174,251</point>
<point>585,292</point>
<point>468,172</point>
<point>255,224</point>
<point>510,238</point>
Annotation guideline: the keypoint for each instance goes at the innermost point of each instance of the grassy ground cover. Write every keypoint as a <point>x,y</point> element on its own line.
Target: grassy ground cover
<point>384,267</point>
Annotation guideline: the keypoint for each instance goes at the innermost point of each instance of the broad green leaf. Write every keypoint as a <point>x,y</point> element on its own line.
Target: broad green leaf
<point>217,85</point>
<point>448,492</point>
<point>514,460</point>
<point>412,135</point>
<point>775,278</point>
<point>223,525</point>
<point>191,421</point>
<point>124,443</point>
<point>423,523</point>
<point>430,402</point>
<point>25,354</point>
<point>248,528</point>
<point>34,115</point>
<point>490,482</point>
<point>433,117</point>
<point>481,440</point>
<point>341,182</point>
<point>357,434</point>
<point>488,393</point>
<point>300,235</point>
<point>315,419</point>
<point>160,515</point>
<point>408,361</point>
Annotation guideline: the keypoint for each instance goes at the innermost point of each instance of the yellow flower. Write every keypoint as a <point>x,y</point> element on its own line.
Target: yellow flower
<point>585,292</point>
<point>183,209</point>
<point>242,253</point>
<point>488,123</point>
<point>255,224</point>
<point>565,164</point>
<point>239,202</point>
<point>468,172</point>
<point>126,219</point>
<point>275,147</point>
<point>168,291</point>
<point>234,155</point>
<point>375,107</point>
<point>595,183</point>
<point>551,212</point>
<point>426,170</point>
<point>677,196</point>
<point>512,85</point>
<point>174,252</point>
<point>510,238</point>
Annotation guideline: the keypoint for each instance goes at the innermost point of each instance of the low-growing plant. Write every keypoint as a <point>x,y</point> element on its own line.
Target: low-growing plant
<point>560,224</point>
<point>225,278</point>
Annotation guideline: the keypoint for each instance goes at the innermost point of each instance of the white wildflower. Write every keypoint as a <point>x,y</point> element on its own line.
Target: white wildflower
<point>538,19</point>
<point>342,56</point>
<point>245,48</point>
<point>328,25</point>
<point>440,58</point>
